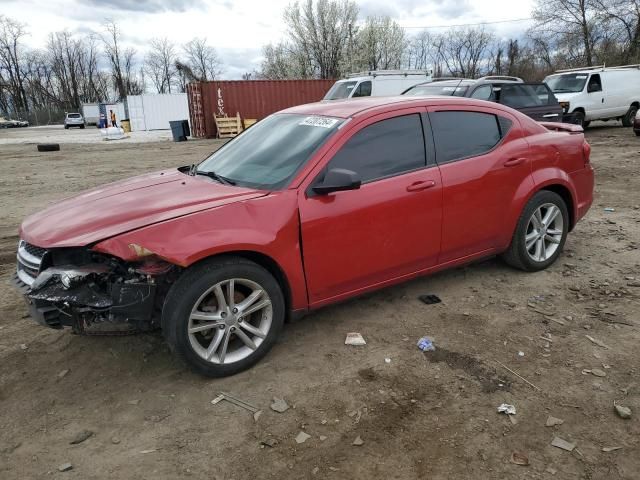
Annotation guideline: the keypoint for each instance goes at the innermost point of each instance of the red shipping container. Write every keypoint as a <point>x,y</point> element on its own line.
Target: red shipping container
<point>251,98</point>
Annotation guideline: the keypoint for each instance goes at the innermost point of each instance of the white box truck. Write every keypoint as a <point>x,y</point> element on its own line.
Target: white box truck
<point>598,93</point>
<point>379,83</point>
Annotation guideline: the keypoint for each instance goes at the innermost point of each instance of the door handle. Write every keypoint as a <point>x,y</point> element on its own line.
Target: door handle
<point>513,162</point>
<point>422,185</point>
<point>550,115</point>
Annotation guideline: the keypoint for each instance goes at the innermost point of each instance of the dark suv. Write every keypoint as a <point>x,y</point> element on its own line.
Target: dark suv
<point>535,100</point>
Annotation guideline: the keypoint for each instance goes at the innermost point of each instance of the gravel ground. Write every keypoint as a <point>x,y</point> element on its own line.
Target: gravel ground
<point>418,415</point>
<point>57,134</point>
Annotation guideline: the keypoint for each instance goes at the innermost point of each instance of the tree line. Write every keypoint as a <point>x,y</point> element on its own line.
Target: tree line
<point>41,84</point>
<point>324,42</point>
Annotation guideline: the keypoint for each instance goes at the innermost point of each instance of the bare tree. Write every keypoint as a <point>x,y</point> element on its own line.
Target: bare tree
<point>569,21</point>
<point>202,59</point>
<point>320,31</point>
<point>464,51</point>
<point>160,64</point>
<point>11,55</point>
<point>623,18</point>
<point>380,44</point>
<point>283,61</point>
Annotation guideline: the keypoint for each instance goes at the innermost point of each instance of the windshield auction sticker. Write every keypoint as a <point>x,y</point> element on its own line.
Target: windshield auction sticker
<point>324,122</point>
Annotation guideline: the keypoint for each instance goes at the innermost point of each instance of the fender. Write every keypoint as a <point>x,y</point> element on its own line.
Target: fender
<point>269,226</point>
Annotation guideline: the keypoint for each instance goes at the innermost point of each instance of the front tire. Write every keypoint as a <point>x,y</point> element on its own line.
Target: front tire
<point>223,315</point>
<point>540,234</point>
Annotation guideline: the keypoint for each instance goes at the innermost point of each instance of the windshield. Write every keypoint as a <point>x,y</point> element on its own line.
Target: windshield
<point>267,155</point>
<point>569,83</point>
<point>340,90</point>
<point>435,89</point>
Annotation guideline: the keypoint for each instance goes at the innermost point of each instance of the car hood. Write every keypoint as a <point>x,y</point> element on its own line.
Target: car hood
<point>127,205</point>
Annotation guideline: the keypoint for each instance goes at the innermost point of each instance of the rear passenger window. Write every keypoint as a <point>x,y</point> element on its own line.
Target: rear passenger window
<point>460,135</point>
<point>384,149</point>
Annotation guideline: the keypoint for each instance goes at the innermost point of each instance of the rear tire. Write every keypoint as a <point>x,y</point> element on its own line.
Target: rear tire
<point>210,332</point>
<point>540,233</point>
<point>627,120</point>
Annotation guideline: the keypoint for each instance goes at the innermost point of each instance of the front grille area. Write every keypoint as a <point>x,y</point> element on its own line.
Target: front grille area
<point>29,262</point>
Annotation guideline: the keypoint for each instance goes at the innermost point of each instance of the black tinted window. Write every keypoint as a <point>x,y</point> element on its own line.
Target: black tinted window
<point>363,90</point>
<point>384,149</point>
<point>463,134</point>
<point>523,95</point>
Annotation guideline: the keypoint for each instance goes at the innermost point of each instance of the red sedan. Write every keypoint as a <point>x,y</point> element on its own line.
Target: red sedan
<point>312,205</point>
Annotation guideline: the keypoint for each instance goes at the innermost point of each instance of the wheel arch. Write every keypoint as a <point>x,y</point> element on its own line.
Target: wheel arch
<point>266,262</point>
<point>567,197</point>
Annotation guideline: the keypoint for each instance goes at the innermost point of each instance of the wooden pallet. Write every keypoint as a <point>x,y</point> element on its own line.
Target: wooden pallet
<point>228,127</point>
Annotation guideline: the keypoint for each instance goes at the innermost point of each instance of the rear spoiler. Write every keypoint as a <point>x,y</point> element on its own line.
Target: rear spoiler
<point>562,127</point>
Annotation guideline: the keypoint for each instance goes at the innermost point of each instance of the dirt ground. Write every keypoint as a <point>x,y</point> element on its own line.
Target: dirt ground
<point>419,415</point>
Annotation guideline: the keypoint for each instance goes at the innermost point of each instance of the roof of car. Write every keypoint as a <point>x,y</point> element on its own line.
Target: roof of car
<point>354,106</point>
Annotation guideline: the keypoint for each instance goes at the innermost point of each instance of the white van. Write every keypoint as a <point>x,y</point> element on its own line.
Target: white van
<point>598,93</point>
<point>379,83</point>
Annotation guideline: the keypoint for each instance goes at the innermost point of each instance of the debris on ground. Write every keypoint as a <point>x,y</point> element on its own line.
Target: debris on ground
<point>519,458</point>
<point>115,440</point>
<point>63,373</point>
<point>354,338</point>
<point>429,299</point>
<point>81,437</point>
<point>236,401</point>
<point>302,437</point>
<point>269,442</point>
<point>358,442</point>
<point>151,450</point>
<point>609,209</point>
<point>598,373</point>
<point>623,412</point>
<point>315,471</point>
<point>256,415</point>
<point>133,402</point>
<point>507,409</point>
<point>65,467</point>
<point>563,444</point>
<point>279,405</point>
<point>610,449</point>
<point>323,438</point>
<point>553,421</point>
<point>426,344</point>
<point>24,346</point>
<point>521,354</point>
<point>387,360</point>
<point>597,342</point>
<point>517,375</point>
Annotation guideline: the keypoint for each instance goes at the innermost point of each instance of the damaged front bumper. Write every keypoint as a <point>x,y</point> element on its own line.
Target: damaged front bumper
<point>104,296</point>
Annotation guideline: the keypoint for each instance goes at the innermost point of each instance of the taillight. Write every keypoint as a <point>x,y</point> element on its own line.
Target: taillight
<point>586,152</point>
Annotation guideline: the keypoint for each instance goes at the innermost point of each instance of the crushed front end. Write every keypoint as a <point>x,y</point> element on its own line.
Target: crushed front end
<point>92,292</point>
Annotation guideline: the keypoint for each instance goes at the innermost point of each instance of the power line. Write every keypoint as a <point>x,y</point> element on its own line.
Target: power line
<point>474,24</point>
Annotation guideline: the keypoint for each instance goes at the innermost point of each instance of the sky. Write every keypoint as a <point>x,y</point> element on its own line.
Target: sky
<point>239,28</point>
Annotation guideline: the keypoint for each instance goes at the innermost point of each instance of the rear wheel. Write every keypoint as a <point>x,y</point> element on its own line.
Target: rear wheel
<point>540,234</point>
<point>222,316</point>
<point>627,120</point>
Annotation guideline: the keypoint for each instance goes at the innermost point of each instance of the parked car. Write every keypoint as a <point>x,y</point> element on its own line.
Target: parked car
<point>376,83</point>
<point>598,93</point>
<point>73,120</point>
<point>9,123</point>
<point>310,206</point>
<point>636,124</point>
<point>533,99</point>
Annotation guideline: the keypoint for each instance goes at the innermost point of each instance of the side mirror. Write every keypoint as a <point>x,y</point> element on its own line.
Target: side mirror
<point>337,180</point>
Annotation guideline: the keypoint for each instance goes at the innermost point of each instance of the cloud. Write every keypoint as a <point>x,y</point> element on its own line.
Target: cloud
<point>148,6</point>
<point>451,9</point>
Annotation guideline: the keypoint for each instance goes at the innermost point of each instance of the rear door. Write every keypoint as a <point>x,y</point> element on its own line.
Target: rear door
<point>389,227</point>
<point>484,163</point>
<point>535,100</point>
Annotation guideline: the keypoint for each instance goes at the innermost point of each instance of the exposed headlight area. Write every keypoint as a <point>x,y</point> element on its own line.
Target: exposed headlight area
<point>81,288</point>
<point>565,106</point>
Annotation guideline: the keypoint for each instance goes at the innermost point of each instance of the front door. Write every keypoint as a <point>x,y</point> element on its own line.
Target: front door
<point>389,227</point>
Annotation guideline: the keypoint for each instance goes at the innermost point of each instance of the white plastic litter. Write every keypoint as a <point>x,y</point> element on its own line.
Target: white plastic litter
<point>507,409</point>
<point>113,133</point>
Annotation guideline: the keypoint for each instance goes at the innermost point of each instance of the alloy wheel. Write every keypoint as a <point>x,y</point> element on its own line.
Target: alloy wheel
<point>230,321</point>
<point>544,232</point>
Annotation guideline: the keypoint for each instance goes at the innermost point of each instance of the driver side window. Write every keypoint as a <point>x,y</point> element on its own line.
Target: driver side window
<point>594,84</point>
<point>384,149</point>
<point>363,90</point>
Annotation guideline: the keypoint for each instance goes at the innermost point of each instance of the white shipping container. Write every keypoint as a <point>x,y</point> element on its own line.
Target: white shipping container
<point>154,112</point>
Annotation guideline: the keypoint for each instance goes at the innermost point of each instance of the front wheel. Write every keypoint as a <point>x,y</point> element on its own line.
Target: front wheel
<point>223,315</point>
<point>540,234</point>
